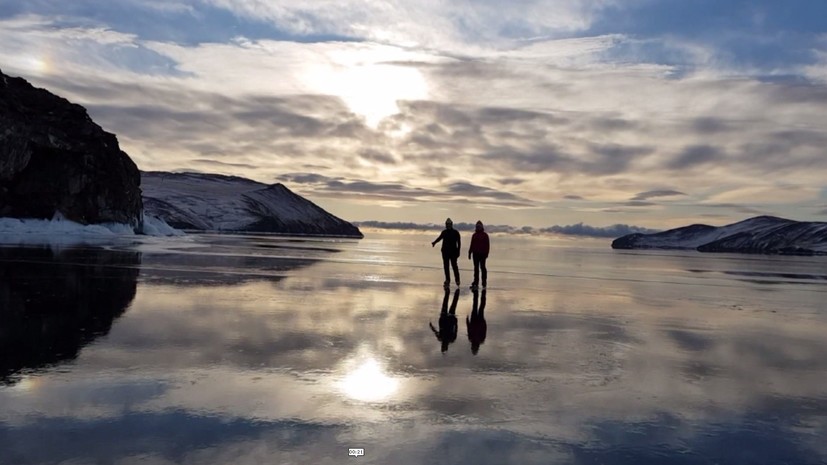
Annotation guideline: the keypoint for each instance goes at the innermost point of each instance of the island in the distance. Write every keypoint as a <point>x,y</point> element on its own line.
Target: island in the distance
<point>762,235</point>
<point>214,202</point>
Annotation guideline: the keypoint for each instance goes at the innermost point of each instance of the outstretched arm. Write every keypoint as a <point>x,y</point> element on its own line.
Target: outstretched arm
<point>438,238</point>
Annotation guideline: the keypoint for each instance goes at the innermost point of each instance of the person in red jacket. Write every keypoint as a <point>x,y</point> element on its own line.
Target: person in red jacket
<point>479,249</point>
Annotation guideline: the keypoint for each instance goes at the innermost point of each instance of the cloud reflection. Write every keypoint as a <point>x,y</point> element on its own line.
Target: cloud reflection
<point>585,364</point>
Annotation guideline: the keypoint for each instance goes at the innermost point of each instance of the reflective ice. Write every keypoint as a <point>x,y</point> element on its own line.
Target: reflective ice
<point>218,349</point>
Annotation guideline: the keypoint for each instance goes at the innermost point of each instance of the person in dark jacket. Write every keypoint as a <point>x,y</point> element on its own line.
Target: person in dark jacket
<point>479,249</point>
<point>475,323</point>
<point>447,333</point>
<point>451,244</point>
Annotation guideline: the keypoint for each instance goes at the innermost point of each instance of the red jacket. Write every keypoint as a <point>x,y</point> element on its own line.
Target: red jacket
<point>479,244</point>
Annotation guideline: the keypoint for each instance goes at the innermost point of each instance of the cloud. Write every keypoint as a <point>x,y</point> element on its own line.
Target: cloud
<point>221,164</point>
<point>564,111</point>
<point>591,159</point>
<point>472,191</point>
<point>378,189</point>
<point>766,194</point>
<point>305,178</point>
<point>378,156</point>
<point>510,181</point>
<point>697,155</point>
<point>579,229</point>
<point>609,124</point>
<point>735,207</point>
<point>656,193</point>
<point>710,125</point>
<point>459,226</point>
<point>746,41</point>
<point>638,203</point>
<point>455,26</point>
<point>460,191</point>
<point>573,197</point>
<point>398,225</point>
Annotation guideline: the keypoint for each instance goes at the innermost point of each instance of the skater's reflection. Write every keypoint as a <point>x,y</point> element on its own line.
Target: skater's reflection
<point>477,327</point>
<point>447,321</point>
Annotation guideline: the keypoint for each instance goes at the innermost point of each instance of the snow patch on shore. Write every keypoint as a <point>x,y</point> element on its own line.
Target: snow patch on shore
<point>61,230</point>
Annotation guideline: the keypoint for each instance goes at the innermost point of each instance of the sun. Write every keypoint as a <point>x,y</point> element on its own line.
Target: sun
<point>373,90</point>
<point>34,64</point>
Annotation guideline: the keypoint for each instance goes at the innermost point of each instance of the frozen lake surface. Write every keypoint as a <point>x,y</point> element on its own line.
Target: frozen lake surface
<point>211,349</point>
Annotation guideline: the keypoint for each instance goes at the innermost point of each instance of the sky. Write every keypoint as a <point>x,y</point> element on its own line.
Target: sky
<point>526,113</point>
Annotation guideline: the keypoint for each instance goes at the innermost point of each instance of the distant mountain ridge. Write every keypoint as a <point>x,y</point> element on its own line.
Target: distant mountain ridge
<point>216,202</point>
<point>762,234</point>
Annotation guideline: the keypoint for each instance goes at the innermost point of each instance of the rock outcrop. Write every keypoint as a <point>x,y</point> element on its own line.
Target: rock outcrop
<point>762,234</point>
<point>214,202</point>
<point>55,159</point>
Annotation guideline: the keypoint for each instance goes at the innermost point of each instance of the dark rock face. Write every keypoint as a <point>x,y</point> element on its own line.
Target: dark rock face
<point>54,158</point>
<point>628,241</point>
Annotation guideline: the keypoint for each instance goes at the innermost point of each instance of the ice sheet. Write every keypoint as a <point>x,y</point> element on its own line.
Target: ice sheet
<point>254,349</point>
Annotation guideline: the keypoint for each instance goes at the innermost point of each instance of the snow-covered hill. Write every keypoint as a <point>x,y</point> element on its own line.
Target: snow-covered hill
<point>762,234</point>
<point>214,202</point>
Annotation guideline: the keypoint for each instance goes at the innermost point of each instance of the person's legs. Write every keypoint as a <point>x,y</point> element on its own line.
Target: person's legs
<point>484,271</point>
<point>445,260</point>
<point>456,268</point>
<point>476,270</point>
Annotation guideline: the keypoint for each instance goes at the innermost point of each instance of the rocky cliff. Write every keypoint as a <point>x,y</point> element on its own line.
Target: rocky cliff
<point>55,159</point>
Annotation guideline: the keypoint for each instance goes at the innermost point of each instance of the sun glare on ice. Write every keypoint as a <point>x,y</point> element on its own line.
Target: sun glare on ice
<point>369,383</point>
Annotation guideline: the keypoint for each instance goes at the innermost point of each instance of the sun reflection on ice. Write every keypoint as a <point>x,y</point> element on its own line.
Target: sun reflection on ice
<point>369,383</point>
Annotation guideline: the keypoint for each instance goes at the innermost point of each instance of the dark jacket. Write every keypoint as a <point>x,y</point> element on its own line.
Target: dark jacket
<point>451,242</point>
